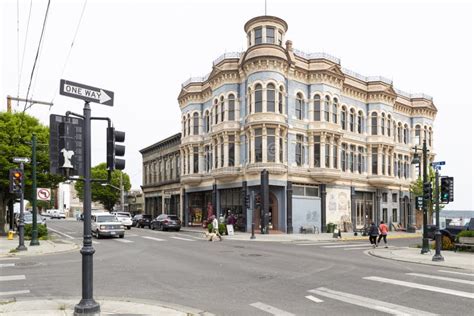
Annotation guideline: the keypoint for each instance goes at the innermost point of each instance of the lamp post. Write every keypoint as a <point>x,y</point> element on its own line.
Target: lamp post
<point>425,248</point>
<point>437,256</point>
<point>416,161</point>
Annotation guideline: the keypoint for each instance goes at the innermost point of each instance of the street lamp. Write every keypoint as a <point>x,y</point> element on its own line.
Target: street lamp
<point>416,161</point>
<point>119,189</point>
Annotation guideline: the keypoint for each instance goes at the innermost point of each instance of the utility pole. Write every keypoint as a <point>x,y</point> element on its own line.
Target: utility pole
<point>122,203</point>
<point>437,256</point>
<point>21,225</point>
<point>34,230</point>
<point>10,98</point>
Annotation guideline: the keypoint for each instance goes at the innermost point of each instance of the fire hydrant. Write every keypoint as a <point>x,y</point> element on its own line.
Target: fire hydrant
<point>10,234</point>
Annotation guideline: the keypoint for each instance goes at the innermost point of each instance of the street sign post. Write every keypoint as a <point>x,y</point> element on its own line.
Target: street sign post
<point>21,159</point>
<point>43,194</point>
<point>86,93</point>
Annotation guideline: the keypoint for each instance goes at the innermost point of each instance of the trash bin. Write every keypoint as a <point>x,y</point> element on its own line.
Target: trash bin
<point>330,228</point>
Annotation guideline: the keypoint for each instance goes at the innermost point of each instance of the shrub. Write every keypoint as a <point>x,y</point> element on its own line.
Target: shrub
<point>447,244</point>
<point>42,230</point>
<point>466,233</point>
<point>209,227</point>
<point>222,229</point>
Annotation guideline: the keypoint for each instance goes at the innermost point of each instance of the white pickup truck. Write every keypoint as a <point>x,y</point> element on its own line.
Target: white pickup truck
<point>53,213</point>
<point>106,224</point>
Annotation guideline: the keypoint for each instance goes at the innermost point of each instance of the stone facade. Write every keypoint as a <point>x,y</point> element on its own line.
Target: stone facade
<point>335,143</point>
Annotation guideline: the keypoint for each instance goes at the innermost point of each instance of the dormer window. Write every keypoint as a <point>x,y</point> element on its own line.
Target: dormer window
<point>258,35</point>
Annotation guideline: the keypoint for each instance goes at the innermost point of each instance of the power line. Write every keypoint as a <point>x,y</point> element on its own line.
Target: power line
<point>70,48</point>
<point>37,53</point>
<point>24,49</point>
<point>18,43</point>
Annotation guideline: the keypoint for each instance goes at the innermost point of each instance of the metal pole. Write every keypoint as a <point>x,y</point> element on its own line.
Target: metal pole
<point>21,225</point>
<point>87,306</point>
<point>425,248</point>
<point>121,193</point>
<point>34,230</point>
<point>437,256</point>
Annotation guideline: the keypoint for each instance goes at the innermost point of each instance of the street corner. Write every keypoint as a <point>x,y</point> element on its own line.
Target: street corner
<point>45,247</point>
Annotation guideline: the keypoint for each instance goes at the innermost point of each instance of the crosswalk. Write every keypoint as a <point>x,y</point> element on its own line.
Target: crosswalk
<point>446,281</point>
<point>9,281</point>
<point>132,238</point>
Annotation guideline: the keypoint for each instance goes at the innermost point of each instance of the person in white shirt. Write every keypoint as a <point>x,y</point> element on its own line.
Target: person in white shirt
<point>215,228</point>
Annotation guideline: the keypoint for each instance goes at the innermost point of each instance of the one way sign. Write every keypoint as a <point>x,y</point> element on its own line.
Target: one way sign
<point>86,93</point>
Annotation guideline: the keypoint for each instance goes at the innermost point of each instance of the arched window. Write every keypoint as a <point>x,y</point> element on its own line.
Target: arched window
<point>418,135</point>
<point>222,109</point>
<point>184,126</point>
<point>280,100</point>
<point>430,137</point>
<point>270,97</point>
<point>425,131</point>
<point>343,118</point>
<point>258,98</point>
<point>249,101</point>
<point>389,123</point>
<point>299,107</point>
<point>352,121</point>
<point>327,100</point>
<point>382,124</point>
<point>374,123</point>
<point>334,110</point>
<point>231,107</point>
<point>317,108</point>
<point>405,134</point>
<point>189,124</point>
<point>216,112</point>
<point>207,122</point>
<point>400,132</point>
<point>195,124</point>
<point>360,127</point>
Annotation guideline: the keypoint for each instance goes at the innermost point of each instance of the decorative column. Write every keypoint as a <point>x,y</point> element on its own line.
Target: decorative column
<point>339,153</point>
<point>201,160</point>
<point>323,151</point>
<point>369,160</point>
<point>379,159</point>
<point>252,145</point>
<point>237,150</point>
<point>277,144</point>
<point>311,150</point>
<point>226,150</point>
<point>264,143</point>
<point>331,152</point>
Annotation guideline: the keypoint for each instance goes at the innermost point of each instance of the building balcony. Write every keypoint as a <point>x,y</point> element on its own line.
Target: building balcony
<point>192,139</point>
<point>265,117</point>
<point>325,175</point>
<point>325,126</point>
<point>225,126</point>
<point>380,139</point>
<point>191,179</point>
<point>380,180</point>
<point>226,173</point>
<point>271,167</point>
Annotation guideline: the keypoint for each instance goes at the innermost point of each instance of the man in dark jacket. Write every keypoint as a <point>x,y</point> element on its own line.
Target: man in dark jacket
<point>373,233</point>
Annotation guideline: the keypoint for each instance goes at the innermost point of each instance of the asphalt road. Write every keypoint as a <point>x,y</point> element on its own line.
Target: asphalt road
<point>247,277</point>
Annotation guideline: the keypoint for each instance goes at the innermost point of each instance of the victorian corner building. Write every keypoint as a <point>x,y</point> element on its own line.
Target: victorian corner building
<point>337,145</point>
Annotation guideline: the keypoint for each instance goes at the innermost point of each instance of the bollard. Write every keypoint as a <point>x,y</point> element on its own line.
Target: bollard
<point>10,235</point>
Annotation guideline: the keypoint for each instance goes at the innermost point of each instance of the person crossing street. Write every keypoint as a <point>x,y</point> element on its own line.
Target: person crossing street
<point>383,228</point>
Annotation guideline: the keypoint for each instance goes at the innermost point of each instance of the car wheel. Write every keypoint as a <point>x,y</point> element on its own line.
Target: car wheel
<point>121,236</point>
<point>178,229</point>
<point>98,235</point>
<point>152,227</point>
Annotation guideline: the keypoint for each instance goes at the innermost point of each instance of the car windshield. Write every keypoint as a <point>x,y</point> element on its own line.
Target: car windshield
<point>107,218</point>
<point>122,217</point>
<point>122,214</point>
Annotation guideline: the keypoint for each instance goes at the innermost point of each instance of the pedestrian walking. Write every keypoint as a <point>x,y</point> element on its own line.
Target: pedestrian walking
<point>373,233</point>
<point>383,233</point>
<point>215,227</point>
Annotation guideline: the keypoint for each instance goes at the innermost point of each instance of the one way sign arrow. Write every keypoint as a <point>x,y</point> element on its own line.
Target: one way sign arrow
<point>86,93</point>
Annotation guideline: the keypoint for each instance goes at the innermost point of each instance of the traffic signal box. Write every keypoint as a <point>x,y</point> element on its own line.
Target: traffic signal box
<point>16,180</point>
<point>447,189</point>
<point>114,149</point>
<point>427,191</point>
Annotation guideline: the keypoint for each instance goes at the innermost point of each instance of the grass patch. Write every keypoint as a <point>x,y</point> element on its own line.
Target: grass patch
<point>13,250</point>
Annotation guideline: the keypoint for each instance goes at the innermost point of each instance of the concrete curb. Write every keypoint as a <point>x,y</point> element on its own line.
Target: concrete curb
<point>371,252</point>
<point>415,235</point>
<point>73,247</point>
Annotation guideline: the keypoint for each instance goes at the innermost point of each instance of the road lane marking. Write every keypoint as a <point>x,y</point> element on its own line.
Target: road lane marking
<point>123,240</point>
<point>421,287</point>
<point>9,258</point>
<point>361,248</point>
<point>132,235</point>
<point>270,309</point>
<point>370,303</point>
<point>60,233</point>
<point>195,237</point>
<point>453,272</point>
<point>180,238</point>
<point>12,277</point>
<point>314,244</point>
<point>95,242</point>
<point>441,278</point>
<point>14,292</point>
<point>4,265</point>
<point>348,245</point>
<point>153,238</point>
<point>314,299</point>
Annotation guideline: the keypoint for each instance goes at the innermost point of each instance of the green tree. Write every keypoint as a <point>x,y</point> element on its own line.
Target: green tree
<point>417,189</point>
<point>16,130</point>
<point>106,195</point>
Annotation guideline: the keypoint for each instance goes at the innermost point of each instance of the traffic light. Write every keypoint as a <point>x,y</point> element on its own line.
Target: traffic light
<point>447,189</point>
<point>427,191</point>
<point>114,150</point>
<point>16,180</point>
<point>247,201</point>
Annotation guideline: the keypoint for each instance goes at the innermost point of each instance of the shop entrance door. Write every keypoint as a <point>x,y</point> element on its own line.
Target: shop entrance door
<point>273,212</point>
<point>364,208</point>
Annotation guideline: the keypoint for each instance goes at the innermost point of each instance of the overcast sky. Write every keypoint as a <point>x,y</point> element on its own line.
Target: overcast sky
<point>144,50</point>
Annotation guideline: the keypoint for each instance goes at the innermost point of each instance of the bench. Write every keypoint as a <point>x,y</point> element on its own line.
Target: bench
<point>464,243</point>
<point>309,229</point>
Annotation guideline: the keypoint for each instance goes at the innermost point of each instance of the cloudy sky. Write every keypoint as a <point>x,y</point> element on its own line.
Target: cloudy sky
<point>143,51</point>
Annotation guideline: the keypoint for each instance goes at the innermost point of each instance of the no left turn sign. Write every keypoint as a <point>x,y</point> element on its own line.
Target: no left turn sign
<point>43,194</point>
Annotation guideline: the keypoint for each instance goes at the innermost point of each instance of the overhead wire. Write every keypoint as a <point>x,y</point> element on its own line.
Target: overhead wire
<point>18,44</point>
<point>70,49</point>
<point>37,54</point>
<point>24,50</point>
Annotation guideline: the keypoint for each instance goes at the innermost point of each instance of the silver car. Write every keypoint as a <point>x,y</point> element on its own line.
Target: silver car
<point>106,224</point>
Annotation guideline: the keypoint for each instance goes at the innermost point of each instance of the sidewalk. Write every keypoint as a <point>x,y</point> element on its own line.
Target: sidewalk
<point>456,260</point>
<point>8,247</point>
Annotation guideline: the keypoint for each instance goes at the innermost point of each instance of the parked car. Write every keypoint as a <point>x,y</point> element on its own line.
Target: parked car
<point>166,222</point>
<point>28,219</point>
<point>57,214</point>
<point>125,218</point>
<point>106,224</point>
<point>142,220</point>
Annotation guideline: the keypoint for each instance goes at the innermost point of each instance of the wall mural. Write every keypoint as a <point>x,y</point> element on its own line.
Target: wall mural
<point>338,202</point>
